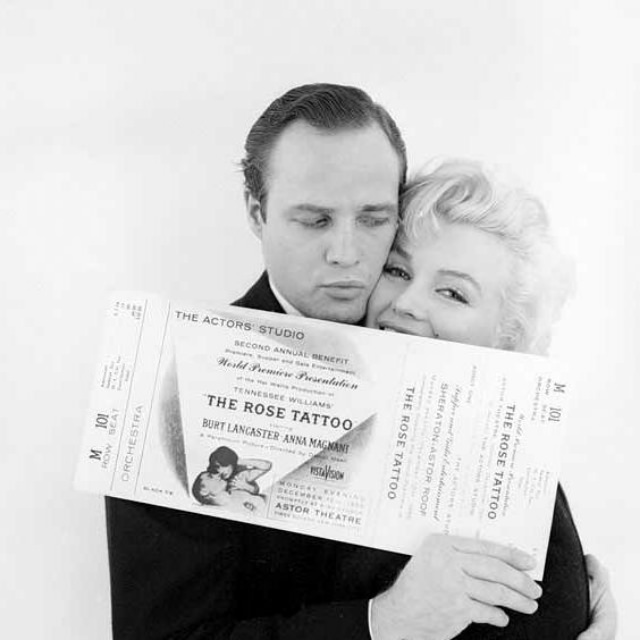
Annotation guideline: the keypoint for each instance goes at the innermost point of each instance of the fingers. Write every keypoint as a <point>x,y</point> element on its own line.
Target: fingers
<point>604,615</point>
<point>596,570</point>
<point>496,571</point>
<point>512,556</point>
<point>498,595</point>
<point>486,614</point>
<point>595,632</point>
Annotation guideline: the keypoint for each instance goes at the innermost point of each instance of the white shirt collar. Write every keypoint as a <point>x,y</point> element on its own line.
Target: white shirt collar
<point>284,303</point>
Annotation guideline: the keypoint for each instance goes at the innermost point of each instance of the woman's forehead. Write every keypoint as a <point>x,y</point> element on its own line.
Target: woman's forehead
<point>458,248</point>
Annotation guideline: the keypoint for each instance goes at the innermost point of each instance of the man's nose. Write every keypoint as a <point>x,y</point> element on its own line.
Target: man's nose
<point>342,249</point>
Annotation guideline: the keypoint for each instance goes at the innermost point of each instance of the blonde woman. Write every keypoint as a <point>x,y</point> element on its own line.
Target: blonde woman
<point>474,262</point>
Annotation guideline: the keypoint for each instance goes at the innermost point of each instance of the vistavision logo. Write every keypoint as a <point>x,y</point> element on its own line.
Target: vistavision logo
<point>327,472</point>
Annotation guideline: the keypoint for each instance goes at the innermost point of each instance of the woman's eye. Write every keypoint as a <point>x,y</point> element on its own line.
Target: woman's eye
<point>396,272</point>
<point>453,294</point>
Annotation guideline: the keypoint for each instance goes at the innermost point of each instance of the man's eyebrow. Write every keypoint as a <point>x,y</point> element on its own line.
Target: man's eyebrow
<point>380,207</point>
<point>377,207</point>
<point>461,274</point>
<point>311,208</point>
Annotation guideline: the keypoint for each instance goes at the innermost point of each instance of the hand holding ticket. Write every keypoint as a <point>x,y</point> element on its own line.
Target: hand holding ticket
<point>328,430</point>
<point>451,581</point>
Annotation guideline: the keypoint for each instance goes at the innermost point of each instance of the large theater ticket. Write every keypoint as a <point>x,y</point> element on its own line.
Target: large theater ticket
<point>343,432</point>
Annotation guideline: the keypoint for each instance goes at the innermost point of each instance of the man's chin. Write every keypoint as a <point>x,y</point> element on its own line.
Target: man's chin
<point>346,312</point>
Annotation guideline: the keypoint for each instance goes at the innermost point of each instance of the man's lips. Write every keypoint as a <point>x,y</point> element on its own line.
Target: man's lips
<point>344,289</point>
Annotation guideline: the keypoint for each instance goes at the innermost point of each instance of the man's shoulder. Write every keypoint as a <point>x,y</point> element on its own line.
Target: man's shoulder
<point>260,296</point>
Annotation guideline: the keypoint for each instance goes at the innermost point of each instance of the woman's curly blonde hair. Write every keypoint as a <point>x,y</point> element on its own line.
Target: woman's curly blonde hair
<point>463,192</point>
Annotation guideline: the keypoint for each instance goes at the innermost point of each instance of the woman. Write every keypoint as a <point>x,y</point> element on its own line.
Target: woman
<point>474,263</point>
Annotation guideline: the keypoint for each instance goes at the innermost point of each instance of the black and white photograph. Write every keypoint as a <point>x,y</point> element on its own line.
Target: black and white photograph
<point>456,172</point>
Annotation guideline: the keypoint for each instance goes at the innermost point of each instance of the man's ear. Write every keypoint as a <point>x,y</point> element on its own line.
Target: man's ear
<point>254,214</point>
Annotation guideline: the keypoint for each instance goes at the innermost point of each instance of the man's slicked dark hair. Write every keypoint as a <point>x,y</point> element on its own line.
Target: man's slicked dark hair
<point>330,107</point>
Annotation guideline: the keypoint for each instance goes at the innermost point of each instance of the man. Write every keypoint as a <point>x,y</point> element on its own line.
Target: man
<point>323,169</point>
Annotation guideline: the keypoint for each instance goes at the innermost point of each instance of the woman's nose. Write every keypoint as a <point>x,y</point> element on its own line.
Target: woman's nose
<point>408,303</point>
<point>412,304</point>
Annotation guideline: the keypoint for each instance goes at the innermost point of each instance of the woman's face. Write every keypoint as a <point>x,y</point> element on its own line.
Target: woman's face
<point>224,471</point>
<point>447,284</point>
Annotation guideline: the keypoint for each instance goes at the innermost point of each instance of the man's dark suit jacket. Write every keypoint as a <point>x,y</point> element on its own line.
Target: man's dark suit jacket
<point>182,575</point>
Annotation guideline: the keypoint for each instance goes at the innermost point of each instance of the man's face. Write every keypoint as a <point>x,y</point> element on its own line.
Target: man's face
<point>211,485</point>
<point>331,215</point>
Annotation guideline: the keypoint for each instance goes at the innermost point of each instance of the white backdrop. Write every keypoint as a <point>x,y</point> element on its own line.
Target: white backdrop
<point>121,125</point>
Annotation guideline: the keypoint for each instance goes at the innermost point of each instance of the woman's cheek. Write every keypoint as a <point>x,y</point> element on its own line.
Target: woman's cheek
<point>478,330</point>
<point>384,294</point>
<point>452,324</point>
